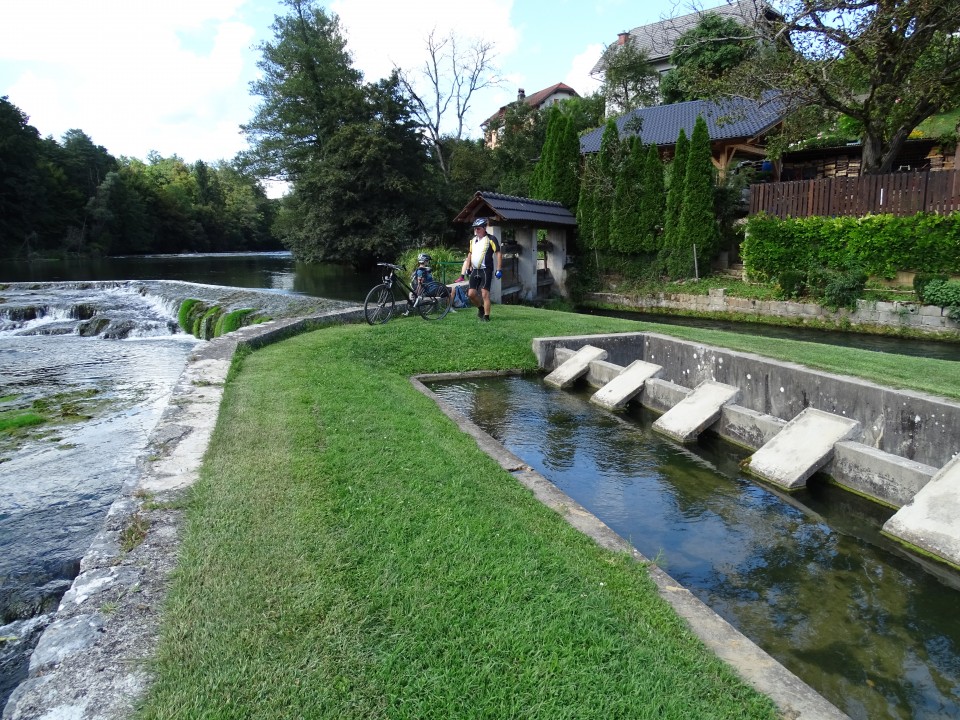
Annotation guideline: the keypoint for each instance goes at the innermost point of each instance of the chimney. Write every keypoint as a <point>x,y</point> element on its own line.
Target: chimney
<point>521,95</point>
<point>622,38</point>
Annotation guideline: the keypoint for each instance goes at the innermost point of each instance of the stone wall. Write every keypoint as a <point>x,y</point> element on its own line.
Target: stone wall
<point>892,315</point>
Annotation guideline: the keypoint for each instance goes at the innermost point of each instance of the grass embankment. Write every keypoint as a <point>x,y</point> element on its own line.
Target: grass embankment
<point>350,554</point>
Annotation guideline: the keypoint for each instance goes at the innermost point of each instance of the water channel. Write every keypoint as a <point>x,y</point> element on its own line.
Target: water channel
<point>808,577</point>
<point>56,487</point>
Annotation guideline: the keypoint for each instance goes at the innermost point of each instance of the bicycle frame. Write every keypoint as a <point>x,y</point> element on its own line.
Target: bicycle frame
<point>379,305</point>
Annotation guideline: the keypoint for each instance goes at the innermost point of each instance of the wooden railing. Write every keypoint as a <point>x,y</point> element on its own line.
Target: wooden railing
<point>892,193</point>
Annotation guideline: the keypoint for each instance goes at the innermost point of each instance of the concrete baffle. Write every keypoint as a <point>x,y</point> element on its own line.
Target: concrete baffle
<point>575,367</point>
<point>931,521</point>
<point>625,386</point>
<point>803,446</point>
<point>697,411</point>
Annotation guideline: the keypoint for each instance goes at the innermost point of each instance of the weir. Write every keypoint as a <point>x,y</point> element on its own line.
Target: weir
<point>898,447</point>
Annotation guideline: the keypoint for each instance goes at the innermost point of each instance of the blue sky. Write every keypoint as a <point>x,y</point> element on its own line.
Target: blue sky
<point>173,75</point>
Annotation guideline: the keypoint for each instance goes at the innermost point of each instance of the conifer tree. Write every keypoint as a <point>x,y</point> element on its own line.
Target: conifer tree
<point>653,201</point>
<point>625,229</point>
<point>698,220</point>
<point>605,186</point>
<point>675,194</point>
<point>586,211</point>
<point>541,181</point>
<point>567,182</point>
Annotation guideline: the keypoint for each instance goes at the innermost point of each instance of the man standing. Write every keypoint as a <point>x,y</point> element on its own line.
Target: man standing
<point>481,268</point>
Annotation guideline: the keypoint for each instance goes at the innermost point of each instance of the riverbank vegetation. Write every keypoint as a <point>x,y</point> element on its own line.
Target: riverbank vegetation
<point>350,553</point>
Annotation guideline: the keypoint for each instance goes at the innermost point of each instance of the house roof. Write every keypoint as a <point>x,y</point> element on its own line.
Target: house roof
<point>536,99</point>
<point>658,39</point>
<point>502,209</point>
<point>729,119</point>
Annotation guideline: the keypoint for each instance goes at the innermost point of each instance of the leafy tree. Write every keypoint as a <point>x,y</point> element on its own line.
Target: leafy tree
<point>675,196</point>
<point>452,75</point>
<point>887,64</point>
<point>629,80</point>
<point>586,112</point>
<point>698,224</point>
<point>652,201</point>
<point>625,230</point>
<point>520,145</point>
<point>703,54</point>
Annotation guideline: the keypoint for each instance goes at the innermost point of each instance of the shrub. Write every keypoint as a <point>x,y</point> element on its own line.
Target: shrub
<point>791,284</point>
<point>920,282</point>
<point>945,293</point>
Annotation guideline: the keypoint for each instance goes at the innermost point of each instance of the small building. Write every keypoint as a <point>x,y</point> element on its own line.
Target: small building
<point>541,99</point>
<point>533,268</point>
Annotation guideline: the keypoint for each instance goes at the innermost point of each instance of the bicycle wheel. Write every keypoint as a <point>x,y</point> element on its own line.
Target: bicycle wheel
<point>436,302</point>
<point>378,307</point>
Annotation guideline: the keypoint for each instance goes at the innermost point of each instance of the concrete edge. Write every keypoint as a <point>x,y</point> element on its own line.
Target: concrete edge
<point>794,698</point>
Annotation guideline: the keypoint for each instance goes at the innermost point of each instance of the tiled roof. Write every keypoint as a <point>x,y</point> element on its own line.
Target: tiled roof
<point>508,208</point>
<point>658,38</point>
<point>537,99</point>
<point>726,120</point>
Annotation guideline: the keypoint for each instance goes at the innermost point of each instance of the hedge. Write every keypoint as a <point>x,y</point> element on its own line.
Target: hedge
<point>880,245</point>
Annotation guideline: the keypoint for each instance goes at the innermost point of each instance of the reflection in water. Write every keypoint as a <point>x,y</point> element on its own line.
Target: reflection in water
<point>808,577</point>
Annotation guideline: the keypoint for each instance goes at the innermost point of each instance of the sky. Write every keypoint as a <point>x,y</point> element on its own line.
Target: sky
<point>173,76</point>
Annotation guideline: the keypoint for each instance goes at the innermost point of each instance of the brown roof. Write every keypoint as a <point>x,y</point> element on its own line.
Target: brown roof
<point>535,100</point>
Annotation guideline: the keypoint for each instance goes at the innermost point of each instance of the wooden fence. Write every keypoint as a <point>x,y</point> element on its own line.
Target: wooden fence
<point>892,194</point>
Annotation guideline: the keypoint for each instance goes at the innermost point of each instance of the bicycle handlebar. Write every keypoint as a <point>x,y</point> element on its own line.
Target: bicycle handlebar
<point>392,266</point>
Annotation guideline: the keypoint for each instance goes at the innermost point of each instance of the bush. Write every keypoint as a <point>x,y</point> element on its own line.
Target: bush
<point>843,288</point>
<point>945,293</point>
<point>791,284</point>
<point>920,282</point>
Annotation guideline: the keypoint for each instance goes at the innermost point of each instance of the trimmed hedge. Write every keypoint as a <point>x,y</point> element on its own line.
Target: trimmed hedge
<point>880,245</point>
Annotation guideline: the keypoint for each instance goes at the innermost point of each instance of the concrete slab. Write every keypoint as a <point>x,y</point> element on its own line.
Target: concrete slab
<point>567,373</point>
<point>931,521</point>
<point>696,412</point>
<point>625,386</point>
<point>803,446</point>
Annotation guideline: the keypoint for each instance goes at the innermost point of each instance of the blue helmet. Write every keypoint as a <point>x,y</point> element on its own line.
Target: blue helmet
<point>480,222</point>
<point>424,259</point>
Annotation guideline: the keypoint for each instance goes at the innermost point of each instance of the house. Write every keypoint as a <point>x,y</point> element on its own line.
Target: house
<point>737,127</point>
<point>539,100</point>
<point>658,39</point>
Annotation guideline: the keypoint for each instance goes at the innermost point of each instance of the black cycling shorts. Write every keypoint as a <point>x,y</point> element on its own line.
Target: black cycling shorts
<point>481,278</point>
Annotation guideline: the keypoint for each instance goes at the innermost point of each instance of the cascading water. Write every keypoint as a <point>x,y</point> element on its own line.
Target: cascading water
<point>96,364</point>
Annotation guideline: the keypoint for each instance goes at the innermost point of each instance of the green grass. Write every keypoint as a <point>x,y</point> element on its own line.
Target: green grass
<point>11,420</point>
<point>350,554</point>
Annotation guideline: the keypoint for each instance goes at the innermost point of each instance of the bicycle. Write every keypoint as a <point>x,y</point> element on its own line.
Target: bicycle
<point>432,300</point>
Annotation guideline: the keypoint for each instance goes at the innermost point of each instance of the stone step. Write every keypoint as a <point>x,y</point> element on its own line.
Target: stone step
<point>575,367</point>
<point>625,386</point>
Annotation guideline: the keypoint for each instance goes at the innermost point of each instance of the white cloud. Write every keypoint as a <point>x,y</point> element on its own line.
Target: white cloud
<point>578,77</point>
<point>134,75</point>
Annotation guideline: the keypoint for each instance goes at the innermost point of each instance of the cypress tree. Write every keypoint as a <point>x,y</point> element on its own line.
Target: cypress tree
<point>605,187</point>
<point>541,181</point>
<point>625,229</point>
<point>567,183</point>
<point>585,205</point>
<point>678,172</point>
<point>698,220</point>
<point>653,201</point>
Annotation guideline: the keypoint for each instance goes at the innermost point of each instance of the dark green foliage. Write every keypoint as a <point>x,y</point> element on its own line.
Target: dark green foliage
<point>604,188</point>
<point>653,201</point>
<point>626,232</point>
<point>920,282</point>
<point>522,136</point>
<point>629,80</point>
<point>703,54</point>
<point>698,224</point>
<point>541,180</point>
<point>792,284</point>
<point>556,175</point>
<point>586,205</point>
<point>880,244</point>
<point>945,293</point>
<point>675,196</point>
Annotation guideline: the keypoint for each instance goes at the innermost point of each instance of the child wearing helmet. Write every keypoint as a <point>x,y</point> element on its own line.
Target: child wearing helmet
<point>422,276</point>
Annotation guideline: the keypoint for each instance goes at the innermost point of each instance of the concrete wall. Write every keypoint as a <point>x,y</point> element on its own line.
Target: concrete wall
<point>909,434</point>
<point>925,318</point>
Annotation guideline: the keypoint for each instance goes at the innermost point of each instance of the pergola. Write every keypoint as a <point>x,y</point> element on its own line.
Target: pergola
<point>523,217</point>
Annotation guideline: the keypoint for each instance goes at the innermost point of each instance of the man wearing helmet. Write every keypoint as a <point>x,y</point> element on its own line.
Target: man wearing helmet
<point>484,261</point>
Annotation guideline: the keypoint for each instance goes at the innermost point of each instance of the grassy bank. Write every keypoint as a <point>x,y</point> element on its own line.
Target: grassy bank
<point>349,553</point>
